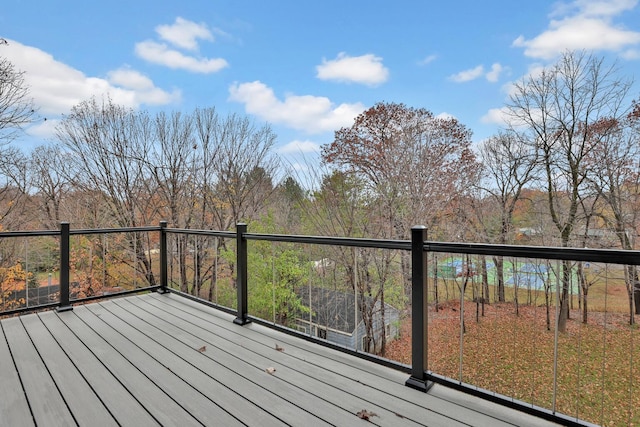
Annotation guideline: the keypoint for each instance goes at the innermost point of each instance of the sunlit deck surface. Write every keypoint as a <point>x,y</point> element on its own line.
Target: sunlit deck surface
<point>165,360</point>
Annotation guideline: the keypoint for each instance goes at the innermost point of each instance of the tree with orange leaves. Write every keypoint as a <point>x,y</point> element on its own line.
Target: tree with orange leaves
<point>412,165</point>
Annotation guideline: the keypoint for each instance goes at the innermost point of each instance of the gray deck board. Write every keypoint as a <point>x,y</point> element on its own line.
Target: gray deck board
<point>328,403</point>
<point>164,409</point>
<point>324,385</point>
<point>127,411</point>
<point>86,406</point>
<point>165,360</point>
<point>13,405</point>
<point>186,362</point>
<point>324,366</point>
<point>48,406</point>
<point>234,375</point>
<point>164,377</point>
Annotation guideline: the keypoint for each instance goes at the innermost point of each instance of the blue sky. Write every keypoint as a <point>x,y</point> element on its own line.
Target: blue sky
<point>306,67</point>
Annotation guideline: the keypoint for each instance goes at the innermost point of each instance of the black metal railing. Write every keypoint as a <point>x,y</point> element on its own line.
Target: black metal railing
<point>61,292</point>
<point>433,265</point>
<point>422,375</point>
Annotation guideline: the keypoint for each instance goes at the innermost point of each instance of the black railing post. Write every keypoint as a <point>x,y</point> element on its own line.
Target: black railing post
<point>242,317</point>
<point>418,379</point>
<point>164,280</point>
<point>64,304</point>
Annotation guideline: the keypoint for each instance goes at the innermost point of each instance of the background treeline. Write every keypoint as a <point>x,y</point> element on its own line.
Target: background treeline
<point>564,171</point>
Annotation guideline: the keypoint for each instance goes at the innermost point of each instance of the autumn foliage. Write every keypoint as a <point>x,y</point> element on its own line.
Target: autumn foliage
<point>513,355</point>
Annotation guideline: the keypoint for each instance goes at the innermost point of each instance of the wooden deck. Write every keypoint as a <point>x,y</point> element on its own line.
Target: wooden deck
<point>165,360</point>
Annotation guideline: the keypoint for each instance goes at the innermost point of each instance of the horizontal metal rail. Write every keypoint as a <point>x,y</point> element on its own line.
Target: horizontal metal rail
<point>34,233</point>
<point>333,241</point>
<point>113,230</point>
<point>611,256</point>
<point>213,233</point>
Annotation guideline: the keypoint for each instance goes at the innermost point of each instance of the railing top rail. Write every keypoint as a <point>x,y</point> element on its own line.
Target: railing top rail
<point>333,241</point>
<point>34,233</point>
<point>114,230</point>
<point>612,256</point>
<point>226,234</point>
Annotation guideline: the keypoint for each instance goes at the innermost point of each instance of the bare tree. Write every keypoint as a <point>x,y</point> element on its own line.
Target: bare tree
<point>16,110</point>
<point>557,108</point>
<point>615,178</point>
<point>108,146</point>
<point>244,168</point>
<point>415,164</point>
<point>16,107</point>
<point>508,164</point>
<point>50,180</point>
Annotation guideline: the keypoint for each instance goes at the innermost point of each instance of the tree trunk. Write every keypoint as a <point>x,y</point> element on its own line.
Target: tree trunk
<point>498,261</point>
<point>485,284</point>
<point>564,297</point>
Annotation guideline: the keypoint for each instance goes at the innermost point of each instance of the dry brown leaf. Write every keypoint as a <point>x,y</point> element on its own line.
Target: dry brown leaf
<point>279,348</point>
<point>270,370</point>
<point>202,349</point>
<point>366,415</point>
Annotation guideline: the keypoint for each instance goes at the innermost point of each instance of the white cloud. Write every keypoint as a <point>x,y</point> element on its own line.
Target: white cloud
<point>312,114</point>
<point>184,33</point>
<point>475,73</point>
<point>467,75</point>
<point>496,116</point>
<point>494,74</point>
<point>366,69</point>
<point>142,86</point>
<point>300,147</point>
<point>582,24</point>
<point>160,53</point>
<point>445,116</point>
<point>428,60</point>
<point>503,117</point>
<point>631,54</point>
<point>44,128</point>
<point>56,87</point>
<point>604,7</point>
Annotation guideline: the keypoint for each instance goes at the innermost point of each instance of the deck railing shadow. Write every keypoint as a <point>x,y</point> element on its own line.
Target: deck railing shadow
<point>494,311</point>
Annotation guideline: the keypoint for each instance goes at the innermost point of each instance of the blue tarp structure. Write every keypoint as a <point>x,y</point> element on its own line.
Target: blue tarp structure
<point>523,275</point>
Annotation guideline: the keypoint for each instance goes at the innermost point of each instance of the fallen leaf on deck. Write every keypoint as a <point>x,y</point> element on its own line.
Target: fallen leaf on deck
<point>279,348</point>
<point>270,370</point>
<point>202,349</point>
<point>366,415</point>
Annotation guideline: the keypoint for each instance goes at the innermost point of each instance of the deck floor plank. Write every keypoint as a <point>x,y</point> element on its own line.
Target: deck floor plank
<point>161,359</point>
<point>202,373</point>
<point>323,384</point>
<point>128,411</point>
<point>256,385</point>
<point>439,399</point>
<point>47,405</point>
<point>139,353</point>
<point>14,406</point>
<point>306,396</point>
<point>86,406</point>
<point>366,390</point>
<point>164,409</point>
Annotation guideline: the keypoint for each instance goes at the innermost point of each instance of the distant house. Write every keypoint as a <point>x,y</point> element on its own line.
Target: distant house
<point>333,317</point>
